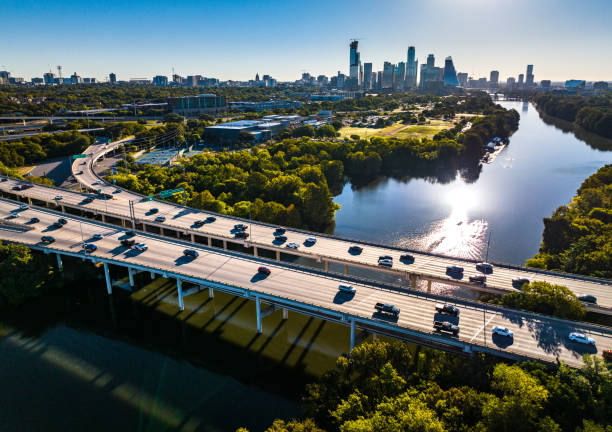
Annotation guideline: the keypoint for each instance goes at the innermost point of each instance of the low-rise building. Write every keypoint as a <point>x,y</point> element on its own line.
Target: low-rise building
<point>193,105</point>
<point>269,105</point>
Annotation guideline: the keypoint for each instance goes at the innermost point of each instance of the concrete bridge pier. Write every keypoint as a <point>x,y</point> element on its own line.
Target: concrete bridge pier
<point>161,231</point>
<point>413,280</point>
<point>103,218</point>
<point>63,209</point>
<point>59,262</point>
<point>277,255</point>
<point>152,275</point>
<point>352,334</point>
<point>255,254</point>
<point>109,286</point>
<point>144,227</point>
<point>131,275</point>
<point>192,237</point>
<point>345,269</point>
<point>179,289</point>
<point>285,314</point>
<point>123,223</point>
<point>428,286</point>
<point>258,313</point>
<point>326,265</point>
<point>211,292</point>
<point>29,200</point>
<point>209,241</point>
<point>224,244</point>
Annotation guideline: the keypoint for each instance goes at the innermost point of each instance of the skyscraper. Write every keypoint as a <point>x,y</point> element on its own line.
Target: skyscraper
<point>354,61</point>
<point>387,75</point>
<point>412,66</point>
<point>431,61</point>
<point>367,76</point>
<point>400,76</point>
<point>462,77</point>
<point>520,80</point>
<point>494,77</point>
<point>112,78</point>
<point>450,75</point>
<point>529,76</point>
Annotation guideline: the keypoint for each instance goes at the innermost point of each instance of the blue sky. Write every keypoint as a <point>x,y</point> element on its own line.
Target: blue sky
<point>235,39</point>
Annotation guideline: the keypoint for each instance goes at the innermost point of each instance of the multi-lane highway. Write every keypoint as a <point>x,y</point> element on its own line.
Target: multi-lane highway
<point>326,249</point>
<point>534,336</point>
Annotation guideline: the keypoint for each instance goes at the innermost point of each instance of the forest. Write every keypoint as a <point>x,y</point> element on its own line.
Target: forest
<point>37,148</point>
<point>593,113</point>
<point>577,237</point>
<point>392,386</point>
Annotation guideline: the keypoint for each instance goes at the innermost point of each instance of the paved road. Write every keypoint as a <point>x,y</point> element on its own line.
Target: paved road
<point>537,337</point>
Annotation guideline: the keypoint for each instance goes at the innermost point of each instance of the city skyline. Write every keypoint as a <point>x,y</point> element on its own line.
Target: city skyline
<point>122,40</point>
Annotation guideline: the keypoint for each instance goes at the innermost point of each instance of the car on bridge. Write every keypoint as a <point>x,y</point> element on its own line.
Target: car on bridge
<point>502,331</point>
<point>407,258</point>
<point>47,239</point>
<point>210,219</point>
<point>280,238</point>
<point>355,249</point>
<point>454,269</point>
<point>34,220</point>
<point>88,200</point>
<point>160,219</point>
<point>130,233</point>
<point>141,247</point>
<point>581,338</point>
<point>310,241</point>
<point>198,223</point>
<point>479,279</point>
<point>63,221</point>
<point>484,267</point>
<point>445,326</point>
<point>89,247</point>
<point>448,309</point>
<point>58,197</point>
<point>292,245</point>
<point>191,253</point>
<point>347,288</point>
<point>24,207</point>
<point>57,225</point>
<point>519,282</point>
<point>385,258</point>
<point>128,242</point>
<point>385,263</point>
<point>97,236</point>
<point>587,298</point>
<point>240,227</point>
<point>279,230</point>
<point>241,235</point>
<point>264,270</point>
<point>153,210</point>
<point>387,308</point>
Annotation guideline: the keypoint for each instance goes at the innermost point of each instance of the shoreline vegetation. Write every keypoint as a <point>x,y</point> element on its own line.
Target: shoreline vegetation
<point>291,182</point>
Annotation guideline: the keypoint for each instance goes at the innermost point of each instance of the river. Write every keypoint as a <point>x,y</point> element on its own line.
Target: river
<point>540,169</point>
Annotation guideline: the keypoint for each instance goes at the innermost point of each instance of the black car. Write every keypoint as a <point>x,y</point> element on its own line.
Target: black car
<point>280,238</point>
<point>191,253</point>
<point>88,200</point>
<point>57,225</point>
<point>210,219</point>
<point>240,227</point>
<point>387,308</point>
<point>47,239</point>
<point>447,309</point>
<point>355,249</point>
<point>446,326</point>
<point>62,221</point>
<point>130,233</point>
<point>588,298</point>
<point>454,269</point>
<point>479,279</point>
<point>241,235</point>
<point>128,242</point>
<point>280,230</point>
<point>153,210</point>
<point>385,263</point>
<point>407,258</point>
<point>34,220</point>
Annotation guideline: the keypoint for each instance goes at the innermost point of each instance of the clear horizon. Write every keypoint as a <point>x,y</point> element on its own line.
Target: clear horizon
<point>235,40</point>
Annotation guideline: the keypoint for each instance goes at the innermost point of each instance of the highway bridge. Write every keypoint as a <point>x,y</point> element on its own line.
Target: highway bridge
<point>131,209</point>
<point>293,288</point>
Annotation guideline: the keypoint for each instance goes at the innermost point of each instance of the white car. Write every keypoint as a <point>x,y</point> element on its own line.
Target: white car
<point>24,207</point>
<point>311,240</point>
<point>97,236</point>
<point>141,247</point>
<point>347,288</point>
<point>502,331</point>
<point>581,338</point>
<point>58,197</point>
<point>293,245</point>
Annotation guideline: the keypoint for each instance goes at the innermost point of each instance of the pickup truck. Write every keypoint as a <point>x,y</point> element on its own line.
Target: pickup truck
<point>446,326</point>
<point>447,309</point>
<point>387,308</point>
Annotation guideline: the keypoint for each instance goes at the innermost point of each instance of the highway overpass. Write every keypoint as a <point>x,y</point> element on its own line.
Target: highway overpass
<point>292,288</point>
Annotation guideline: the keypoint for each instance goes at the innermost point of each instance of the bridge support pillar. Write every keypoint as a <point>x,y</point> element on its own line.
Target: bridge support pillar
<point>211,292</point>
<point>59,262</point>
<point>326,265</point>
<point>29,200</point>
<point>285,314</point>
<point>258,312</point>
<point>152,275</point>
<point>109,287</point>
<point>131,275</point>
<point>103,218</point>
<point>192,238</point>
<point>161,231</point>
<point>144,227</point>
<point>345,269</point>
<point>209,241</point>
<point>123,223</point>
<point>352,334</point>
<point>374,336</point>
<point>428,286</point>
<point>255,254</point>
<point>63,209</point>
<point>277,255</point>
<point>413,280</point>
<point>179,289</point>
<point>225,244</point>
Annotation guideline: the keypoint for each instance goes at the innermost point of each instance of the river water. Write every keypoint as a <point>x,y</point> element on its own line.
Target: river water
<point>540,169</point>
<point>79,360</point>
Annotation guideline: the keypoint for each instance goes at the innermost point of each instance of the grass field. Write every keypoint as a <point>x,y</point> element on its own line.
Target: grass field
<point>399,130</point>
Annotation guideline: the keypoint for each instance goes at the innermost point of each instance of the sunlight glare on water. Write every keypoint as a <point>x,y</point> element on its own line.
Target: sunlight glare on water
<point>456,235</point>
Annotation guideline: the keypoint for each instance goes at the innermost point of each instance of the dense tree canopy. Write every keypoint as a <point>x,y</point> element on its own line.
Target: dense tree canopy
<point>37,148</point>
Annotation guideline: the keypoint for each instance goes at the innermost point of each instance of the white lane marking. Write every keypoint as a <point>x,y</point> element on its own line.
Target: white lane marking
<point>482,327</point>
